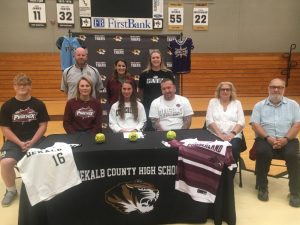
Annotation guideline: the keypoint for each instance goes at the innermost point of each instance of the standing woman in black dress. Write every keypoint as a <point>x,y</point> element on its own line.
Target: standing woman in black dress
<point>150,79</point>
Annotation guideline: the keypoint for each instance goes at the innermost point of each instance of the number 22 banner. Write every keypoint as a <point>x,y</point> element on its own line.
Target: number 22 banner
<point>200,17</point>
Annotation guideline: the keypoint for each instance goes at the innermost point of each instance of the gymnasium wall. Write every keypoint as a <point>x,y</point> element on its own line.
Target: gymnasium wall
<point>235,26</point>
<point>250,73</point>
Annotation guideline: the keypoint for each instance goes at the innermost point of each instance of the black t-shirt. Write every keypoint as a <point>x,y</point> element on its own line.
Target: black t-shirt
<point>149,82</point>
<point>23,117</point>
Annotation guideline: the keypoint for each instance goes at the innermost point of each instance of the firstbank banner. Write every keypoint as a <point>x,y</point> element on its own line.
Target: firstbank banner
<point>92,15</point>
<point>104,50</point>
<point>122,23</point>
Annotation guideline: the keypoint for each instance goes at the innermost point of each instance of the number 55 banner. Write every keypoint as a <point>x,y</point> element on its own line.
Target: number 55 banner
<point>65,13</point>
<point>175,17</point>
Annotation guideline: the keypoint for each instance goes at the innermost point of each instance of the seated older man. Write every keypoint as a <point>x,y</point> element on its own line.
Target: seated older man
<point>276,123</point>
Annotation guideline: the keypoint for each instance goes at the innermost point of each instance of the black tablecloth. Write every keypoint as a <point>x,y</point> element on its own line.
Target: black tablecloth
<point>110,168</point>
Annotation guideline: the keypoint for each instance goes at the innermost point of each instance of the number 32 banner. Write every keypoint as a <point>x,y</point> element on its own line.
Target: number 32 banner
<point>65,13</point>
<point>37,13</point>
<point>175,20</point>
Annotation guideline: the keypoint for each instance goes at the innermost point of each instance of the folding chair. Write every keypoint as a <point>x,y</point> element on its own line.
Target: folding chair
<point>252,156</point>
<point>241,161</point>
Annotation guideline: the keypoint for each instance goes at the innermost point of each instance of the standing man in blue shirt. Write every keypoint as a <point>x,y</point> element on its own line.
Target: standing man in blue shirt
<point>276,123</point>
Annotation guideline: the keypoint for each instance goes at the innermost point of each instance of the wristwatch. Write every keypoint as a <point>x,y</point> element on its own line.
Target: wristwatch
<point>287,138</point>
<point>233,132</point>
<point>266,137</point>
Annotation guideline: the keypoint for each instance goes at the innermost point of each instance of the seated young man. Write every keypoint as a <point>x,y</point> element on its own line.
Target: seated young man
<point>23,120</point>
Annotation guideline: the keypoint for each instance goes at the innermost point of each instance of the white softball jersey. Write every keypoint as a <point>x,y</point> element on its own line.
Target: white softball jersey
<point>48,172</point>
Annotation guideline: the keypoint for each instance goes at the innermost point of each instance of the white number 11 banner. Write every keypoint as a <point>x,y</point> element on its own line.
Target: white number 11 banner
<point>37,13</point>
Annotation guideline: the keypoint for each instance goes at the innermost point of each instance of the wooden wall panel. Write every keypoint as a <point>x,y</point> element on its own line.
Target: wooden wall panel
<point>43,68</point>
<point>250,73</point>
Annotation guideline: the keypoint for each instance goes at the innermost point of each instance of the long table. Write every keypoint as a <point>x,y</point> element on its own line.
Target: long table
<point>129,183</point>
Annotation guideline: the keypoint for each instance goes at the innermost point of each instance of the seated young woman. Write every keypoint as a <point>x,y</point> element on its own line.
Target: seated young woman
<point>127,114</point>
<point>83,113</point>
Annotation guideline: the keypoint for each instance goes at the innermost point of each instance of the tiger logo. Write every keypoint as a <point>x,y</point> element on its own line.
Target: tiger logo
<point>118,38</point>
<point>101,51</point>
<point>103,100</point>
<point>133,196</point>
<point>103,77</point>
<point>155,39</point>
<point>136,52</point>
<point>104,125</point>
<point>82,37</point>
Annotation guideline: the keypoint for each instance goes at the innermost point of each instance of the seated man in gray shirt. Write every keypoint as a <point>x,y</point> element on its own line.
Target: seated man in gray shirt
<point>276,123</point>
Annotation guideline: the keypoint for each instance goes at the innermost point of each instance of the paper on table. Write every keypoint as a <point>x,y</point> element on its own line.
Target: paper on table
<point>126,134</point>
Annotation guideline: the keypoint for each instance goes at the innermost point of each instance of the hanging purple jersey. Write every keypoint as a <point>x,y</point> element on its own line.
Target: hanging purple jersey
<point>181,55</point>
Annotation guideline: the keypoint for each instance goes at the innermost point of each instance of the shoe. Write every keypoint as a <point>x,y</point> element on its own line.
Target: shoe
<point>294,200</point>
<point>263,194</point>
<point>9,197</point>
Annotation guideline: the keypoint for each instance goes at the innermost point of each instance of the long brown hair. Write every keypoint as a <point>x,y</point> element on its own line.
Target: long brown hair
<point>116,75</point>
<point>133,101</point>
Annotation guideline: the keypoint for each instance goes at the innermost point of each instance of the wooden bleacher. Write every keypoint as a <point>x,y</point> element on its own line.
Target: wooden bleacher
<point>43,68</point>
<point>250,72</point>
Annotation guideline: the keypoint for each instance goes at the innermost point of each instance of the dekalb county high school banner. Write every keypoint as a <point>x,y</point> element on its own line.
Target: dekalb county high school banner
<point>104,50</point>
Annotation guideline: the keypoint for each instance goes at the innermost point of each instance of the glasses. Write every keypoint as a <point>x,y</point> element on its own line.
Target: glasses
<point>225,89</point>
<point>276,87</point>
<point>22,84</point>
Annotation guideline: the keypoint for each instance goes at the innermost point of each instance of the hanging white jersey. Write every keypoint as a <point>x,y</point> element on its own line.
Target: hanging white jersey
<point>48,172</point>
<point>200,165</point>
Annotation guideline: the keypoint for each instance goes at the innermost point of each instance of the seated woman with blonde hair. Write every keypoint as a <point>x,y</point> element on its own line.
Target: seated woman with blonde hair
<point>83,113</point>
<point>225,117</point>
<point>127,114</point>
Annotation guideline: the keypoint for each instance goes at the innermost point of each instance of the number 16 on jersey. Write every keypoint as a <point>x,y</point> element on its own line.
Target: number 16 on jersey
<point>200,17</point>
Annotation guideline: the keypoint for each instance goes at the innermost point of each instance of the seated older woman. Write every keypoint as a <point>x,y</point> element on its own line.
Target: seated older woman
<point>225,116</point>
